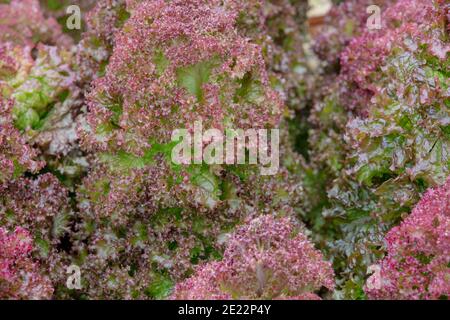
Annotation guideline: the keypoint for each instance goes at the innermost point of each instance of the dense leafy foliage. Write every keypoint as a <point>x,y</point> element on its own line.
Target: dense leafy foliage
<point>358,208</point>
<point>379,130</point>
<point>19,274</point>
<point>264,259</point>
<point>416,265</point>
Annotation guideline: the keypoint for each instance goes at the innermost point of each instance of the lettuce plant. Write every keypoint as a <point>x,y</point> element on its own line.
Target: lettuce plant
<point>198,65</point>
<point>20,276</point>
<point>357,209</point>
<point>267,258</point>
<point>379,130</point>
<point>16,155</point>
<point>417,262</point>
<point>23,22</point>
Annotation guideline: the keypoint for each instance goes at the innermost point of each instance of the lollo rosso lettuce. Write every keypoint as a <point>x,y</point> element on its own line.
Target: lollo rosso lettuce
<point>417,261</point>
<point>180,62</point>
<point>20,276</point>
<point>358,207</point>
<point>267,258</point>
<point>380,129</point>
<point>37,102</point>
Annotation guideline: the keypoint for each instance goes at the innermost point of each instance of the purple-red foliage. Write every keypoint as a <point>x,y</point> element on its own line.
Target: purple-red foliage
<point>268,258</point>
<point>34,204</point>
<point>406,26</point>
<point>24,23</point>
<point>418,253</point>
<point>181,61</point>
<point>343,23</point>
<point>19,274</point>
<point>94,50</point>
